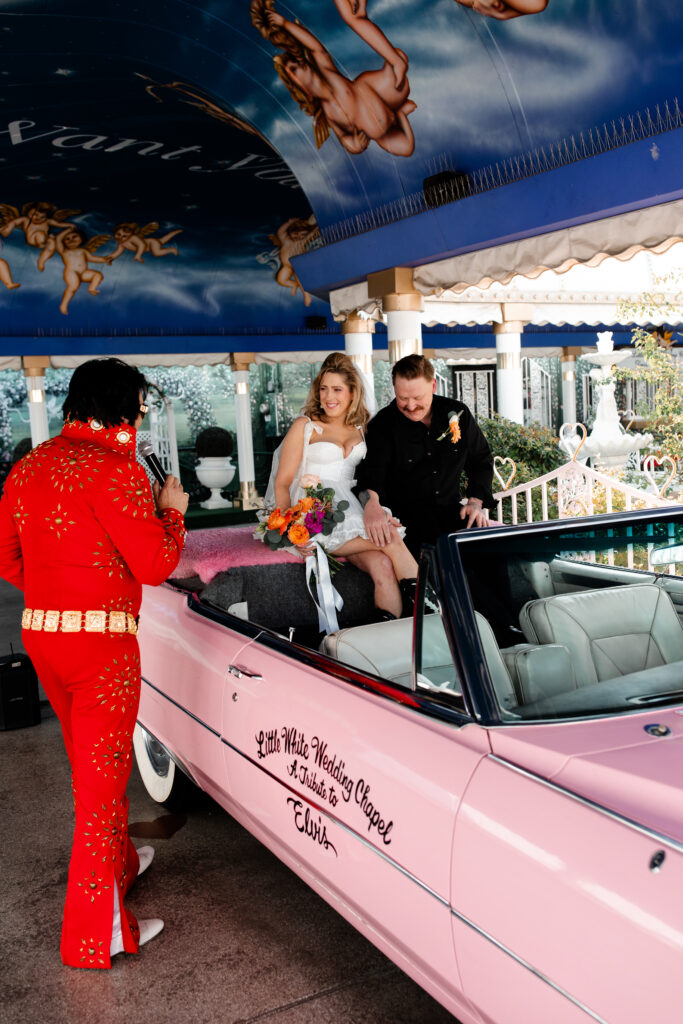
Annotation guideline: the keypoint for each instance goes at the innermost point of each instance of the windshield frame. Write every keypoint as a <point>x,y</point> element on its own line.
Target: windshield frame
<point>455,551</point>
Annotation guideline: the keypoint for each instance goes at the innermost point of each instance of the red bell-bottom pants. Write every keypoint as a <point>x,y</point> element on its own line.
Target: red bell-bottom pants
<point>93,682</point>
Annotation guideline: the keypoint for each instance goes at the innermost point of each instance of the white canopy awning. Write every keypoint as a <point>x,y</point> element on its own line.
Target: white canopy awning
<point>594,255</point>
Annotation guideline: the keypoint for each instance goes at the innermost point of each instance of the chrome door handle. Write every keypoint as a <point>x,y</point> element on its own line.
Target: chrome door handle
<point>238,671</point>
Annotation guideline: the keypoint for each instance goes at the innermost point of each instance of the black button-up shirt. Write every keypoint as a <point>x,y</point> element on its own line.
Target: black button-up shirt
<point>418,476</point>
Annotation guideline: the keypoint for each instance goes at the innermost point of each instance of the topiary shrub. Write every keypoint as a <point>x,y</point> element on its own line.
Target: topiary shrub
<point>214,443</point>
<point>22,448</point>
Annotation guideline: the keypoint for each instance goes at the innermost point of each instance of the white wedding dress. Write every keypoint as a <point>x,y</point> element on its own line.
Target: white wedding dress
<point>327,461</point>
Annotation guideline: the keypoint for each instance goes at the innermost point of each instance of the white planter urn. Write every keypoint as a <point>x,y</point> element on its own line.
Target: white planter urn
<point>215,472</point>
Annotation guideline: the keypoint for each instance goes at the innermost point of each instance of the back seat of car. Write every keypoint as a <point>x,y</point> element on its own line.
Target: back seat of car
<point>386,650</point>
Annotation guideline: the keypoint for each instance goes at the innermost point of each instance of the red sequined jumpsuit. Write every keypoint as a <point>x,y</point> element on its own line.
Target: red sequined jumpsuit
<point>79,532</point>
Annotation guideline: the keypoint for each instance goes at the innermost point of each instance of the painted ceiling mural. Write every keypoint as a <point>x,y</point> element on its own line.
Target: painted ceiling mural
<point>160,161</point>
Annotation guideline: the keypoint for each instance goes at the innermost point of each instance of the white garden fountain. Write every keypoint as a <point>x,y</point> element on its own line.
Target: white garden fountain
<point>608,443</point>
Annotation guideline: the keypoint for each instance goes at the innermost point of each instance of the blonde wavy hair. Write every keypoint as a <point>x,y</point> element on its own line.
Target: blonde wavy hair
<point>357,414</point>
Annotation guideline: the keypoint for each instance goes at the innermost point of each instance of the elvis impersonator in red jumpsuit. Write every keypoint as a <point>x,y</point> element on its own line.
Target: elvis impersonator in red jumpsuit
<point>80,533</point>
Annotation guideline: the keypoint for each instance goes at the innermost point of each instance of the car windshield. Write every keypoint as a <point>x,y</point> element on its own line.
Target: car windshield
<point>580,618</point>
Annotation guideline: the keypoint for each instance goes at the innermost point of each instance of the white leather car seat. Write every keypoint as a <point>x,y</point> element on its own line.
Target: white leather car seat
<point>609,632</point>
<point>526,672</point>
<point>386,650</point>
<point>539,671</point>
<point>383,648</point>
<point>500,677</point>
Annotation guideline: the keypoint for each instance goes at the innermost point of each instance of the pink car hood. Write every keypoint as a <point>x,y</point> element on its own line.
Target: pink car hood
<point>614,762</point>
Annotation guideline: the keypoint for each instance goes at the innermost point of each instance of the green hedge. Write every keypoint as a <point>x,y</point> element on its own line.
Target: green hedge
<point>534,450</point>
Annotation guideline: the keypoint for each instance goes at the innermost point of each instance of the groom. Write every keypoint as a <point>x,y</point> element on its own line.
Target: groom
<point>418,448</point>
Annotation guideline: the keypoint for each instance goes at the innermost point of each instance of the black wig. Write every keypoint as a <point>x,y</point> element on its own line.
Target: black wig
<point>107,390</point>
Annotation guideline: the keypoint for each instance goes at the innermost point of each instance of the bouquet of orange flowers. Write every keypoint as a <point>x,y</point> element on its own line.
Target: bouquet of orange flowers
<point>314,514</point>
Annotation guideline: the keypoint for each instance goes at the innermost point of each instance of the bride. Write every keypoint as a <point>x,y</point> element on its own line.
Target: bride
<point>327,441</point>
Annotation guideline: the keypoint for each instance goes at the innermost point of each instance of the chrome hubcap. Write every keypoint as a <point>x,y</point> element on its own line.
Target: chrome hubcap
<point>157,754</point>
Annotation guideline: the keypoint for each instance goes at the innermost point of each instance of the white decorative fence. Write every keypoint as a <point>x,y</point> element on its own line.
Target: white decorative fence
<point>572,490</point>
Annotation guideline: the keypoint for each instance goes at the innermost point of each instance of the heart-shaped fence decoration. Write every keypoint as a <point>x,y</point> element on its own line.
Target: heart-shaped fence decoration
<point>498,464</point>
<point>567,430</point>
<point>631,417</point>
<point>650,463</point>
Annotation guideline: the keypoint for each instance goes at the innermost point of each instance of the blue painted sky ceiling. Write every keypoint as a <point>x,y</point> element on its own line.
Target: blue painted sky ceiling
<point>183,151</point>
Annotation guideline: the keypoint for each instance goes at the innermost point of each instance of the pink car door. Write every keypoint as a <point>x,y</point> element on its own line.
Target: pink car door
<point>183,657</point>
<point>355,785</point>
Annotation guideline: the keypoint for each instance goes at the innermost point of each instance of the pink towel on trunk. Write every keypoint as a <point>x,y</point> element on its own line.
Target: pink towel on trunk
<point>208,552</point>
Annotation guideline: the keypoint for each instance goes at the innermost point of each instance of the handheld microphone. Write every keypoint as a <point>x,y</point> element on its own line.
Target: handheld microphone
<point>146,449</point>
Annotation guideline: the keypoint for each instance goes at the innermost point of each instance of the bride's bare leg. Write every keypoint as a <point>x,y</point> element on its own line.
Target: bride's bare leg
<point>379,567</point>
<point>405,566</point>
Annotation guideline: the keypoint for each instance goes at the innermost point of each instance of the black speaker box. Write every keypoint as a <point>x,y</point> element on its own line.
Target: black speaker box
<point>19,700</point>
<point>445,187</point>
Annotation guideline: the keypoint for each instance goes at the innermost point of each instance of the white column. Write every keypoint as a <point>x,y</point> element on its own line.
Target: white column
<point>404,326</point>
<point>403,306</point>
<point>34,371</point>
<point>357,332</point>
<point>245,439</point>
<point>509,370</point>
<point>568,386</point>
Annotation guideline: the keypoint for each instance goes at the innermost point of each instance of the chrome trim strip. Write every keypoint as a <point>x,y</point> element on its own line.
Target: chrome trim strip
<point>524,963</point>
<point>180,707</point>
<point>645,830</point>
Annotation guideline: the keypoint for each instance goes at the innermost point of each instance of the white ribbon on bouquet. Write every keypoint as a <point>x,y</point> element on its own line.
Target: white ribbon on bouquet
<point>329,601</point>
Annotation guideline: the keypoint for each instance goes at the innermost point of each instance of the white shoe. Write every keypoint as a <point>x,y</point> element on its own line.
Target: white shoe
<point>149,929</point>
<point>146,855</point>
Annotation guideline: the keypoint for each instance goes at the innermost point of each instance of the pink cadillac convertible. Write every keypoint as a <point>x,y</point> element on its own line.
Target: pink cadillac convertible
<point>491,792</point>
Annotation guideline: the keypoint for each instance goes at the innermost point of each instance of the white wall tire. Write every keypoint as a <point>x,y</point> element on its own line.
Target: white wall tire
<point>164,782</point>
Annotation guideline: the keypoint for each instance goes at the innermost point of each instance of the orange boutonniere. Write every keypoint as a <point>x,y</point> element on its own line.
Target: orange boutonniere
<point>453,428</point>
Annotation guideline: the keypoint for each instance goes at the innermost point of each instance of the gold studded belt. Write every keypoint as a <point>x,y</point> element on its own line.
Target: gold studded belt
<point>73,622</point>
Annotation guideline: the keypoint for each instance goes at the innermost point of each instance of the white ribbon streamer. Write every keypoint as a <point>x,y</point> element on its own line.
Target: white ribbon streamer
<point>329,600</point>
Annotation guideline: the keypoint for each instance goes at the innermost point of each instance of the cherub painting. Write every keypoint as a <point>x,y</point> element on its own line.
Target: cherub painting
<point>135,239</point>
<point>374,107</point>
<point>289,238</point>
<point>503,10</point>
<point>35,220</point>
<point>77,252</point>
